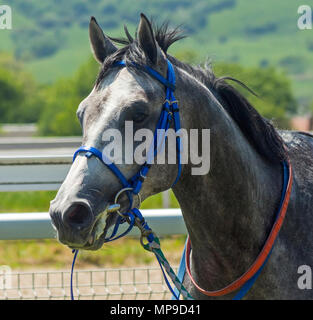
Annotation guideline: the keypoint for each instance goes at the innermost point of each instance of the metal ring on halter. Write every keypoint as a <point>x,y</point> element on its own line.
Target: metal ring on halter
<point>118,195</point>
<point>151,244</point>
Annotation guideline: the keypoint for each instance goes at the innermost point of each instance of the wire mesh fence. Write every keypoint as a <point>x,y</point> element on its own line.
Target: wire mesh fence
<point>145,283</point>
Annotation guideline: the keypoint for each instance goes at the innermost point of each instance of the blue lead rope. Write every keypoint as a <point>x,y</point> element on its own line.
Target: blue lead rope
<point>75,251</point>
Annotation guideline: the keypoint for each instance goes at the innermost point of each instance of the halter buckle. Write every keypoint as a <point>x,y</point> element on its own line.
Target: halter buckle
<point>119,194</point>
<point>170,102</point>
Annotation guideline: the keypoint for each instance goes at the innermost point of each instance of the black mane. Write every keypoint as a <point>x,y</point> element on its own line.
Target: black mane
<point>258,130</point>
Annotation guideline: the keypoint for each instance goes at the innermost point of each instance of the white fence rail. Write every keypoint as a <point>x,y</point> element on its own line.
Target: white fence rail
<point>32,173</point>
<point>37,225</point>
<point>29,164</point>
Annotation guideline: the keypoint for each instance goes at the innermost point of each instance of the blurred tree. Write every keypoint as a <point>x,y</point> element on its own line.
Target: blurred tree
<point>19,97</point>
<point>275,99</point>
<point>42,44</point>
<point>186,55</point>
<point>62,99</point>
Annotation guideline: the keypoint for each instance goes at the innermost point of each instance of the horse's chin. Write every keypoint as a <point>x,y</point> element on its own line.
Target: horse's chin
<point>97,236</point>
<point>92,247</point>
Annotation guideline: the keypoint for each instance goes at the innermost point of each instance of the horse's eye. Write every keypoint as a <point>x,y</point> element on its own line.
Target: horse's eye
<point>139,117</point>
<point>80,114</point>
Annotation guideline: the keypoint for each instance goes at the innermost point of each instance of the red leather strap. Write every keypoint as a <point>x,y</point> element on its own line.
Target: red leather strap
<point>261,257</point>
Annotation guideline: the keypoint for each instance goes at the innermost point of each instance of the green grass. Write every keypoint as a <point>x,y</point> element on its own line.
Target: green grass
<point>50,254</point>
<point>38,201</point>
<point>33,201</point>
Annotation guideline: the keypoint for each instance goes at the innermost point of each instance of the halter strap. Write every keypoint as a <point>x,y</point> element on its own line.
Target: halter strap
<point>168,83</point>
<point>105,160</point>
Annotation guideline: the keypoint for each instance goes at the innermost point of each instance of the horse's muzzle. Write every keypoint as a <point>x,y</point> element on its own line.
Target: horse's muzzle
<point>74,224</point>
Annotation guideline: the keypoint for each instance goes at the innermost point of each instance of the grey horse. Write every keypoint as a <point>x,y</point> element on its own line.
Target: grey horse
<point>228,212</point>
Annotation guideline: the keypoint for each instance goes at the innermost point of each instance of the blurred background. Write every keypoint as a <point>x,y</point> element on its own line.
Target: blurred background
<point>46,69</point>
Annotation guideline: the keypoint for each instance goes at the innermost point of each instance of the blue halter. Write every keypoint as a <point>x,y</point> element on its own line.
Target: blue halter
<point>169,113</point>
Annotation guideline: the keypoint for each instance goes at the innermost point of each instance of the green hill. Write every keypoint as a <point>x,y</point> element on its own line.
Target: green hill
<point>51,37</point>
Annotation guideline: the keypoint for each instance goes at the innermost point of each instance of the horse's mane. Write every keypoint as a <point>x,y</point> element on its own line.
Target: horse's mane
<point>258,130</point>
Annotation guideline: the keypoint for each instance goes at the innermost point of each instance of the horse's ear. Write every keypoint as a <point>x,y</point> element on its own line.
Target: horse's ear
<point>101,45</point>
<point>147,40</point>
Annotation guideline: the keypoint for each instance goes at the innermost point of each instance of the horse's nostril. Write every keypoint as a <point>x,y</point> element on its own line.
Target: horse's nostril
<point>78,215</point>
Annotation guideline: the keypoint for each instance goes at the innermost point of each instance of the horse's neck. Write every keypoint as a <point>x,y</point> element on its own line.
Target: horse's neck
<point>229,211</point>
